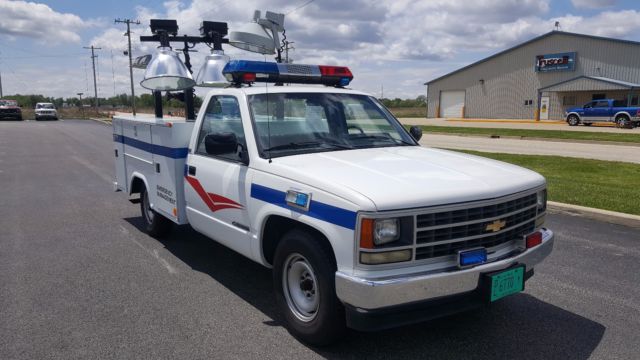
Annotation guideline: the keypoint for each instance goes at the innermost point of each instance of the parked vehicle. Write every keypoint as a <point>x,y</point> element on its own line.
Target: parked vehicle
<point>46,111</point>
<point>605,110</point>
<point>9,109</point>
<point>362,226</point>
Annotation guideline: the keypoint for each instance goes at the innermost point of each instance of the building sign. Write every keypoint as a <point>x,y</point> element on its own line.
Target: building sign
<point>556,62</point>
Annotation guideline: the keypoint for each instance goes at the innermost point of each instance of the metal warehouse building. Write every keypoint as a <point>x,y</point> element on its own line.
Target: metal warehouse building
<point>539,79</point>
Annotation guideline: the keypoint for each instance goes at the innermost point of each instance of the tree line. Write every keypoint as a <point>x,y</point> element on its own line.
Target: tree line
<point>420,101</point>
<point>122,100</point>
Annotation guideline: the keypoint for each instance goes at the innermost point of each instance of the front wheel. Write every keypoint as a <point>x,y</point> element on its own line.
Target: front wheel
<point>156,225</point>
<point>573,120</point>
<point>304,281</point>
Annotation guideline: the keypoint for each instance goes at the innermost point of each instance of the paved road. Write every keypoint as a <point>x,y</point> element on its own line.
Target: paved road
<point>78,279</point>
<point>535,147</point>
<point>515,125</point>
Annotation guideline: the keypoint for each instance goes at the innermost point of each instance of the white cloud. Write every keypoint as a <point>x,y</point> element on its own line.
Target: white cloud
<point>593,4</point>
<point>40,22</point>
<point>398,43</point>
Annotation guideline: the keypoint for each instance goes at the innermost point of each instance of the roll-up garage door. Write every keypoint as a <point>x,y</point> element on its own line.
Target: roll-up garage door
<point>451,103</point>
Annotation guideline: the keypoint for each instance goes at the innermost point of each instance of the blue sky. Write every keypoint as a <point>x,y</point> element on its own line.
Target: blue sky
<point>395,45</point>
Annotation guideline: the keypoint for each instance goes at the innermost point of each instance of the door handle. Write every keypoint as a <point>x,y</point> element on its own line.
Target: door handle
<point>191,170</point>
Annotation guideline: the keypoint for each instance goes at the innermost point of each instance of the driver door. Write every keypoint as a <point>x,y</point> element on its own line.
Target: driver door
<point>215,192</point>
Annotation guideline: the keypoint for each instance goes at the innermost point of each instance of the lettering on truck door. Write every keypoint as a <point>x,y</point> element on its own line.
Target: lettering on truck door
<point>215,183</point>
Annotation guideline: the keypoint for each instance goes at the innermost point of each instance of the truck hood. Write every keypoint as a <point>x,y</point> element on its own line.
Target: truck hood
<point>407,177</point>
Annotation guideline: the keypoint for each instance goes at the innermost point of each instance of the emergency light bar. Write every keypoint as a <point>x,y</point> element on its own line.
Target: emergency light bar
<point>246,72</point>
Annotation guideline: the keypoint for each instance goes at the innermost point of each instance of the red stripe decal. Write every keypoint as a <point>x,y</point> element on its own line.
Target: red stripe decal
<point>214,202</point>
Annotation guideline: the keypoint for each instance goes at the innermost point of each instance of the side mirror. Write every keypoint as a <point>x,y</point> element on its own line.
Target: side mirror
<point>220,143</point>
<point>416,132</point>
<point>224,144</point>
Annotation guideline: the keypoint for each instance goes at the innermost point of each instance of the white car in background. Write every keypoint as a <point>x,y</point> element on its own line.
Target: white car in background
<point>46,111</point>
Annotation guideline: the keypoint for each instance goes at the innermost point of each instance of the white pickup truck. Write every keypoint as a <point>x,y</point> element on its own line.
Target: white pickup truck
<point>362,226</point>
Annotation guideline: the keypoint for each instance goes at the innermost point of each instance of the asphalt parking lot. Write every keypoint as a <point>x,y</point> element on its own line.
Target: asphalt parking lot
<point>79,279</point>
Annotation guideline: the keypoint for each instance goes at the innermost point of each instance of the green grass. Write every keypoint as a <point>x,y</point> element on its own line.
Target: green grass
<point>409,112</point>
<point>561,133</point>
<point>598,184</point>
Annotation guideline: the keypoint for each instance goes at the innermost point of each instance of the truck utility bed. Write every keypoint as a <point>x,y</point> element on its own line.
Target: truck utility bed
<point>156,148</point>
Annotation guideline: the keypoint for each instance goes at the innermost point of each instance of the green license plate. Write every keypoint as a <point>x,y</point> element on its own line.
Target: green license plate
<point>506,283</point>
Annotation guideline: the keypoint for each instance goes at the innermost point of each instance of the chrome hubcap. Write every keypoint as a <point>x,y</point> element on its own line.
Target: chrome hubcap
<point>300,288</point>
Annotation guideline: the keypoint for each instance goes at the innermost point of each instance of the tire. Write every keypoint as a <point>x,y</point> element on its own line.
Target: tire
<point>623,122</point>
<point>573,120</point>
<point>304,282</point>
<point>156,225</point>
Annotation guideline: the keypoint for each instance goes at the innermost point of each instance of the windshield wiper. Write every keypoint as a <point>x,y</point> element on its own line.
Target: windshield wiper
<point>307,144</point>
<point>382,137</point>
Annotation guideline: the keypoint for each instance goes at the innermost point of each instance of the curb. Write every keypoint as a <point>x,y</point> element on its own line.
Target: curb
<point>612,217</point>
<point>531,138</point>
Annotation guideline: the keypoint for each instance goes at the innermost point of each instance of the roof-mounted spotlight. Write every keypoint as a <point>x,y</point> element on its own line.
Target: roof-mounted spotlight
<point>165,71</point>
<point>260,35</point>
<point>210,74</point>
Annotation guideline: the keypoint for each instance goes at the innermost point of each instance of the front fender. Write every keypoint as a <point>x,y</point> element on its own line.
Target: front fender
<point>340,238</point>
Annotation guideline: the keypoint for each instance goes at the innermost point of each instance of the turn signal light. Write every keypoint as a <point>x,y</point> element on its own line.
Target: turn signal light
<point>366,234</point>
<point>533,240</point>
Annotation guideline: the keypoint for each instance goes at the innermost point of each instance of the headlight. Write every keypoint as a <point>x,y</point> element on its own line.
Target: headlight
<point>542,200</point>
<point>386,231</point>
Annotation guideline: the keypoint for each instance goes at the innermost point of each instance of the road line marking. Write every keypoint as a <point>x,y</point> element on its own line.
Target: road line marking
<point>93,168</point>
<point>153,252</point>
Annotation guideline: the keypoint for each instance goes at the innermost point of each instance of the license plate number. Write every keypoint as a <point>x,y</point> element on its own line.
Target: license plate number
<point>506,283</point>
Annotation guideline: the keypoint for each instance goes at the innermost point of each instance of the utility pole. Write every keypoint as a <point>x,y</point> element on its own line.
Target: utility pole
<point>0,84</point>
<point>287,47</point>
<point>128,35</point>
<point>95,84</point>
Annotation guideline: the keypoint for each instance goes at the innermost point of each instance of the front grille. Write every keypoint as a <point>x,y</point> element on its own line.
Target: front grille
<point>444,233</point>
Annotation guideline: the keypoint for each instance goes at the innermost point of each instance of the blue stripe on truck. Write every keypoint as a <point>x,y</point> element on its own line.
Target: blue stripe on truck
<point>318,210</point>
<point>174,153</point>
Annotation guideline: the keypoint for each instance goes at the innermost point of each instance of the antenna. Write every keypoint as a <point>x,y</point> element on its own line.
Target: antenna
<point>557,26</point>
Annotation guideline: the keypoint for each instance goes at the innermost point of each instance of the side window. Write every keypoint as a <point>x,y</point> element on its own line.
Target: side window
<point>222,117</point>
<point>602,104</point>
<point>588,105</point>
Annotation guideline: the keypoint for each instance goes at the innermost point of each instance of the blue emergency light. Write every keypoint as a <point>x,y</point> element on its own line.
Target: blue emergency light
<point>247,72</point>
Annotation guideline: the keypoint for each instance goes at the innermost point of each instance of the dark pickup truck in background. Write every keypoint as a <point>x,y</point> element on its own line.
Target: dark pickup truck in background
<point>605,110</point>
<point>9,109</point>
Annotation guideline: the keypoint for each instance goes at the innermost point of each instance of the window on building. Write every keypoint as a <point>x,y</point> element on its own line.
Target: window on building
<point>569,100</point>
<point>598,96</point>
<point>528,102</point>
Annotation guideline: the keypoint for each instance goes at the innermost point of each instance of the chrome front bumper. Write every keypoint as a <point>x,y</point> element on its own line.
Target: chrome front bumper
<point>375,293</point>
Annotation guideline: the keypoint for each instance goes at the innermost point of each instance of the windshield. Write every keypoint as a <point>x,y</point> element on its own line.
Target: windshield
<point>44,106</point>
<point>300,123</point>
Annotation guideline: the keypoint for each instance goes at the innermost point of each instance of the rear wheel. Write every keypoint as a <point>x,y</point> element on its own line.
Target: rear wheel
<point>156,225</point>
<point>623,122</point>
<point>573,120</point>
<point>304,281</point>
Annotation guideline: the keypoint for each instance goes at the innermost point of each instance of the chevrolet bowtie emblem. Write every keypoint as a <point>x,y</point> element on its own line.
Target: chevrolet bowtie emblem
<point>496,225</point>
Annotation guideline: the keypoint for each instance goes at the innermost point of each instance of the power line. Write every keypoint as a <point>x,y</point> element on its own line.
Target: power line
<point>300,7</point>
<point>95,84</point>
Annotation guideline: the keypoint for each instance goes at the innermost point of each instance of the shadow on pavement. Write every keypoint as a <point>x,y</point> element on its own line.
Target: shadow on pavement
<point>520,326</point>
